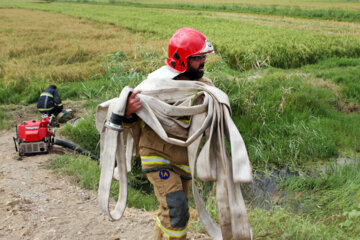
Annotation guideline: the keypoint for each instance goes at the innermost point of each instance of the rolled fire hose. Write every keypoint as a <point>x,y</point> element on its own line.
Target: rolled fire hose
<point>212,163</point>
<point>76,148</point>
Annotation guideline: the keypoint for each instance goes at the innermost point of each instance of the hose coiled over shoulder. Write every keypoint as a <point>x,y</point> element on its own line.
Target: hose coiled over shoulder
<point>209,119</point>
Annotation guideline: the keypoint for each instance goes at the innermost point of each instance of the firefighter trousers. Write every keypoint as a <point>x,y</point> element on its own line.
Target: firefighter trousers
<point>172,191</point>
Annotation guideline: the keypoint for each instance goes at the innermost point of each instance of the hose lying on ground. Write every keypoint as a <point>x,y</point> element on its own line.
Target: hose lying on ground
<point>76,148</point>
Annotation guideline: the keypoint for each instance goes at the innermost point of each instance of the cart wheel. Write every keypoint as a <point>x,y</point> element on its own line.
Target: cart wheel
<point>21,152</point>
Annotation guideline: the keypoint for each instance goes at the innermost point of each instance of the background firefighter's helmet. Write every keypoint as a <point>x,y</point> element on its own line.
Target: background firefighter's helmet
<point>184,43</point>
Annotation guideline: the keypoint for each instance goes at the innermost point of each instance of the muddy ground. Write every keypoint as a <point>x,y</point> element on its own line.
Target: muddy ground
<point>36,203</point>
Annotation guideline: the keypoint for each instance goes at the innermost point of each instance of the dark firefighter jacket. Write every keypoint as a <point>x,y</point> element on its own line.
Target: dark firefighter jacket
<point>48,100</point>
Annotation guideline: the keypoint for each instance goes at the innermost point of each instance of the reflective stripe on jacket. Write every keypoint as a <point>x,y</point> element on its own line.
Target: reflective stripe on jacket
<point>156,160</point>
<point>48,100</point>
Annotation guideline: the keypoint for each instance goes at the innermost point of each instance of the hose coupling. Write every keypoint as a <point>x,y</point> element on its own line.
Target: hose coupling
<point>115,122</point>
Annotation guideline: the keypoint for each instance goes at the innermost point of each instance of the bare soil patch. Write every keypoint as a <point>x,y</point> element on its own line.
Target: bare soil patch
<point>36,203</point>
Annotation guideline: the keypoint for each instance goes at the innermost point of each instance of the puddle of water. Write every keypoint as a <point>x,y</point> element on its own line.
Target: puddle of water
<point>265,190</point>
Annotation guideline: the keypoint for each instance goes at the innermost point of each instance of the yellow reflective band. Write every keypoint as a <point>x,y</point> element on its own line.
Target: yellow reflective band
<point>153,160</point>
<point>185,120</point>
<point>171,233</point>
<point>60,104</point>
<point>160,160</point>
<point>45,109</point>
<point>47,94</point>
<point>186,168</point>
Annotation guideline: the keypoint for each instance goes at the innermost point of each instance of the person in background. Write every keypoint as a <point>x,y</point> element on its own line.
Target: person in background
<point>50,102</point>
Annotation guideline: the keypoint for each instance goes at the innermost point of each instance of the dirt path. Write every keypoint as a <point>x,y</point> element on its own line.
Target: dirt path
<point>35,203</point>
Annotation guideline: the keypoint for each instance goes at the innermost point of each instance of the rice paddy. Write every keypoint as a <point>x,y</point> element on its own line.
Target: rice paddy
<point>293,85</point>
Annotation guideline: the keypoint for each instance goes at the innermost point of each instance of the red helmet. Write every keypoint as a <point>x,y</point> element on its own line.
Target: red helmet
<point>184,43</point>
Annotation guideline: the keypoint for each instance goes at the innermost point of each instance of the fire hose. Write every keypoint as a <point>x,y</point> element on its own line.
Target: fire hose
<point>76,148</point>
<point>212,119</point>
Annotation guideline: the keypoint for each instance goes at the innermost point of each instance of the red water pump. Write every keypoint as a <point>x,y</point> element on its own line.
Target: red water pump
<point>34,136</point>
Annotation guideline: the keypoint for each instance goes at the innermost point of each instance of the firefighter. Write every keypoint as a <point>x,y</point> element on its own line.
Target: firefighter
<point>49,102</point>
<point>166,165</point>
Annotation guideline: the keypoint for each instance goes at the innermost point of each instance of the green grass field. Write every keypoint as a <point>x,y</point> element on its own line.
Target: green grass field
<point>243,43</point>
<point>330,10</point>
<point>293,85</point>
<point>346,4</point>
